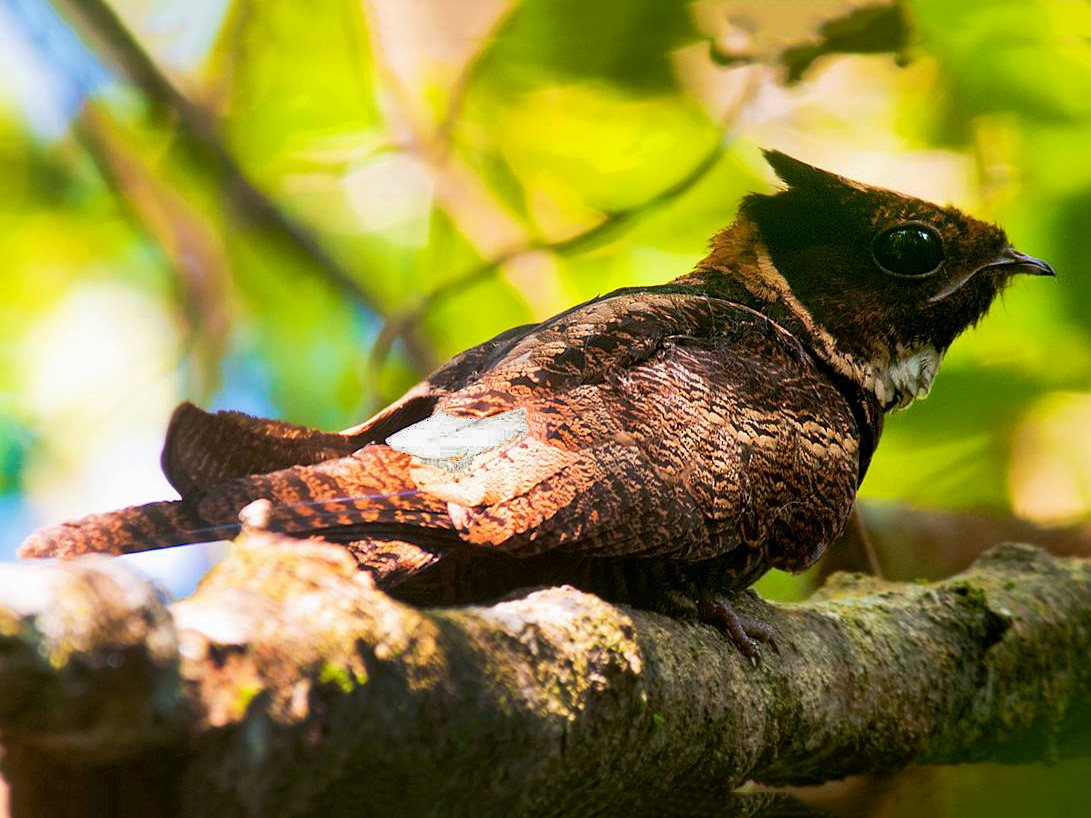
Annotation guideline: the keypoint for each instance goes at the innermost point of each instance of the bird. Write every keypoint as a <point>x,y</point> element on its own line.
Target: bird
<point>662,446</point>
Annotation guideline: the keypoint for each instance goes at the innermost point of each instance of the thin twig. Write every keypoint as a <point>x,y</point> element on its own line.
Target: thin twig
<point>399,324</point>
<point>189,248</point>
<point>108,33</point>
<point>460,90</point>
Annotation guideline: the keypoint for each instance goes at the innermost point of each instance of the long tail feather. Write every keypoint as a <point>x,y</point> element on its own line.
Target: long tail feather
<point>128,531</point>
<point>343,499</point>
<point>370,486</point>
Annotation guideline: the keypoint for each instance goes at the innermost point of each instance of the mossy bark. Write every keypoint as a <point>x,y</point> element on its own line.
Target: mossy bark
<point>289,686</point>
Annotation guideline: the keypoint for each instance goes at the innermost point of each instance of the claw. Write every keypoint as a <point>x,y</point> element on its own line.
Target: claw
<point>744,631</point>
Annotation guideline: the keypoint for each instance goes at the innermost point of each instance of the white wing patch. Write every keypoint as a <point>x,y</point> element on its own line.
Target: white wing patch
<point>450,442</point>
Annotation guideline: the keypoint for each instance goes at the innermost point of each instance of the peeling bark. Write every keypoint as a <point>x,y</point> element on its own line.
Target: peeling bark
<point>289,686</point>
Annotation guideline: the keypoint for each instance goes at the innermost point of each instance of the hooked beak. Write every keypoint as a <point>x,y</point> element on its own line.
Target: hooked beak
<point>1026,264</point>
<point>1012,260</point>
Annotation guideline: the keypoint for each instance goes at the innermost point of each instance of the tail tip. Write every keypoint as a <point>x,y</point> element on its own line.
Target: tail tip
<point>47,543</point>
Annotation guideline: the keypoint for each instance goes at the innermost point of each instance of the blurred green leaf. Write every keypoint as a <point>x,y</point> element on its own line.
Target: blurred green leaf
<point>299,83</point>
<point>309,336</point>
<point>629,148</point>
<point>616,41</point>
<point>1031,57</point>
<point>952,449</point>
<point>15,440</point>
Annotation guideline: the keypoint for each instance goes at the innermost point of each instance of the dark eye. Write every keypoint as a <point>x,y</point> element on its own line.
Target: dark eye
<point>908,250</point>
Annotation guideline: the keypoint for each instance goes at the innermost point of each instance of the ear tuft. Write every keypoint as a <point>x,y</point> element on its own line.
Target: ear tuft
<point>798,174</point>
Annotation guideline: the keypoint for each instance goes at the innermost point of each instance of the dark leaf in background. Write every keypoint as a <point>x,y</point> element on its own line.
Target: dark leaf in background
<point>839,29</point>
<point>1072,234</point>
<point>870,30</point>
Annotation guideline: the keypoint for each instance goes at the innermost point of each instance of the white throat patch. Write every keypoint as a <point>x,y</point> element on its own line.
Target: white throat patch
<point>895,383</point>
<point>909,376</point>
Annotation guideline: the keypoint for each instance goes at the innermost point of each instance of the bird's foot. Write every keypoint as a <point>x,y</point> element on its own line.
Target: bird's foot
<point>744,631</point>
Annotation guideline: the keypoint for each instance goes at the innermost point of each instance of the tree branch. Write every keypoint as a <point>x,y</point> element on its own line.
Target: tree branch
<point>288,685</point>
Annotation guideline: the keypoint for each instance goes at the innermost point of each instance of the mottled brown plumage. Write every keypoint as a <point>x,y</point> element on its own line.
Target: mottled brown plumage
<point>670,443</point>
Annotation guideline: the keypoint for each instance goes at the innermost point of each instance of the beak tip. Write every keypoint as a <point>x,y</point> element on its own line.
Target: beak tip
<point>1030,264</point>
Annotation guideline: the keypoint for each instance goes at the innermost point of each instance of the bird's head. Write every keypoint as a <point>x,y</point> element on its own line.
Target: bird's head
<point>882,283</point>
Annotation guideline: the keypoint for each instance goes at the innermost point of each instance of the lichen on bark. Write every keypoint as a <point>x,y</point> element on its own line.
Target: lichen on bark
<point>289,685</point>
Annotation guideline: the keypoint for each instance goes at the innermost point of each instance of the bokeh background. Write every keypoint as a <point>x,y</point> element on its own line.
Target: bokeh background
<point>296,209</point>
